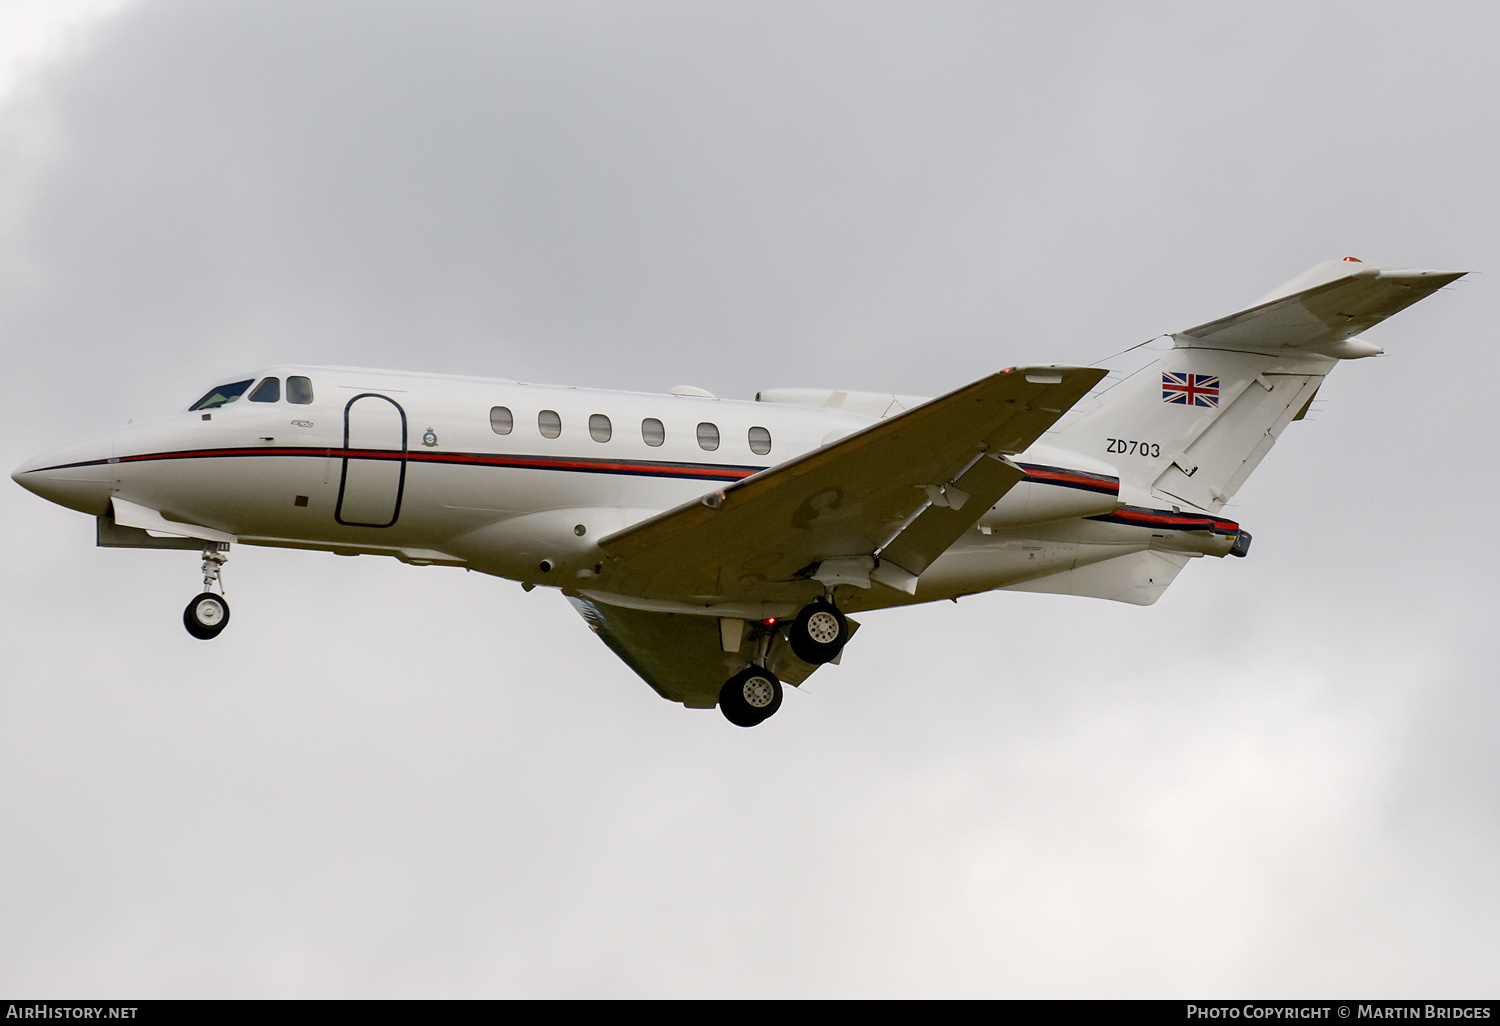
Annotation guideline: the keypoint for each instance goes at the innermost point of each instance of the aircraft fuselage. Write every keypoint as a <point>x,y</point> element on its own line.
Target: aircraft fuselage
<point>521,481</point>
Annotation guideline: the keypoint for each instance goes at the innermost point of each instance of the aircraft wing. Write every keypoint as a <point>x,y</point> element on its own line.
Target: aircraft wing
<point>680,655</point>
<point>890,498</point>
<point>1321,317</point>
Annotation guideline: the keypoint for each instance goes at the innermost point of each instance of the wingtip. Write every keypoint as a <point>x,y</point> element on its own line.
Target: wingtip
<point>1437,278</point>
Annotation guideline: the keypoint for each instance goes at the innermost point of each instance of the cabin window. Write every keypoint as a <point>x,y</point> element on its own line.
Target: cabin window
<point>549,423</point>
<point>501,422</point>
<point>299,390</point>
<point>708,436</point>
<point>760,441</point>
<point>268,391</point>
<point>652,431</point>
<point>599,427</point>
<point>221,395</point>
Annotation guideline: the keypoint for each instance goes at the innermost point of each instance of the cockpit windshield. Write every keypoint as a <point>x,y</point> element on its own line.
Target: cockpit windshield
<point>221,395</point>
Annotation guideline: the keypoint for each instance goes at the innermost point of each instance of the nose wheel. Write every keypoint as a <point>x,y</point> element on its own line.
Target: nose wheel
<point>208,614</point>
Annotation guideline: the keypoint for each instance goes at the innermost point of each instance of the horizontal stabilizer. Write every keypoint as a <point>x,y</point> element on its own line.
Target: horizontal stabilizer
<point>1320,311</point>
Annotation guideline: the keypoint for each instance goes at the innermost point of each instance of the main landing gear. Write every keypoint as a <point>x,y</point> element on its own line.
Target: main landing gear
<point>208,614</point>
<point>753,695</point>
<point>750,696</point>
<point>819,632</point>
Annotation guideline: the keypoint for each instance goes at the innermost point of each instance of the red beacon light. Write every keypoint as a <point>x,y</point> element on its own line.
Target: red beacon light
<point>1353,260</point>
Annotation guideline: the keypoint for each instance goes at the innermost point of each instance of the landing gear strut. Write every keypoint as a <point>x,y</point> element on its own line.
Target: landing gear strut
<point>208,614</point>
<point>749,697</point>
<point>818,634</point>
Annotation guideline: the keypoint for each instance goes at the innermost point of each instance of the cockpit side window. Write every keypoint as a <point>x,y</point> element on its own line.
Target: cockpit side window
<point>268,391</point>
<point>222,395</point>
<point>299,390</point>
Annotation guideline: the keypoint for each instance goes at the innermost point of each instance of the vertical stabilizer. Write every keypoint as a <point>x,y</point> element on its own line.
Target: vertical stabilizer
<point>1188,429</point>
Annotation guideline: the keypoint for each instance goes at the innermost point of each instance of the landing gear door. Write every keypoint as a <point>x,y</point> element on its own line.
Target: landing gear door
<point>374,474</point>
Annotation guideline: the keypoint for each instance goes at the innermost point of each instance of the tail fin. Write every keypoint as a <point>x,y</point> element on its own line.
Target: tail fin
<point>1191,427</point>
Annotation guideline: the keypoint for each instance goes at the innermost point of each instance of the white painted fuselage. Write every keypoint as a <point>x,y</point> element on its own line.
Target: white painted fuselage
<point>416,466</point>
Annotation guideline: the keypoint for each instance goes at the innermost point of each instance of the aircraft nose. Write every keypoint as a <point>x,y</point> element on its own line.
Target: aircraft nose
<point>29,474</point>
<point>22,474</point>
<point>78,475</point>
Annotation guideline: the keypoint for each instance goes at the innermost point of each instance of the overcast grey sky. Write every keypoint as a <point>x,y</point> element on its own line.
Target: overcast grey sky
<point>1281,780</point>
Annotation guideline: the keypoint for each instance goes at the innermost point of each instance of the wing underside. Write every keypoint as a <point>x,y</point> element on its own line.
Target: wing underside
<point>683,656</point>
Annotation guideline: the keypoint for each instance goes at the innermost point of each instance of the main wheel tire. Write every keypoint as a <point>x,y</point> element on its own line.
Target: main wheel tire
<point>206,616</point>
<point>818,634</point>
<point>750,697</point>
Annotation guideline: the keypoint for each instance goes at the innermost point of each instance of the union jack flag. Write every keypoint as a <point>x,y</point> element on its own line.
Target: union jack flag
<point>1190,389</point>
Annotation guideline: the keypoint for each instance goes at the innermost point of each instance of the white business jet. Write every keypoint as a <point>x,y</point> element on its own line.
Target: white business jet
<point>717,546</point>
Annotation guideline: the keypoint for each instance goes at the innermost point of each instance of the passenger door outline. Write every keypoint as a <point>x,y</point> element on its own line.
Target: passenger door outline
<point>372,486</point>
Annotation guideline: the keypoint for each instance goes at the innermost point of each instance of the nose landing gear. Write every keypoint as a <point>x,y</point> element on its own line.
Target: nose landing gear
<point>208,614</point>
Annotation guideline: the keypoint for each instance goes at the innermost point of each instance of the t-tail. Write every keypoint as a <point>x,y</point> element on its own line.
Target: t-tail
<point>1187,430</point>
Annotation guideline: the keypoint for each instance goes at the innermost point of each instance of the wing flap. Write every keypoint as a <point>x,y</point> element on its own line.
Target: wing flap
<point>938,526</point>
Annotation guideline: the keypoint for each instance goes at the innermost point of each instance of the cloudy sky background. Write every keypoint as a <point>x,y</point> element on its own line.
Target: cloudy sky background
<point>1281,780</point>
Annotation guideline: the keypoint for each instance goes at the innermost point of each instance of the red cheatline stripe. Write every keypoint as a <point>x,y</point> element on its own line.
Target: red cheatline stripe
<point>1178,521</point>
<point>1092,480</point>
<point>1038,473</point>
<point>707,470</point>
<point>563,463</point>
<point>1043,474</point>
